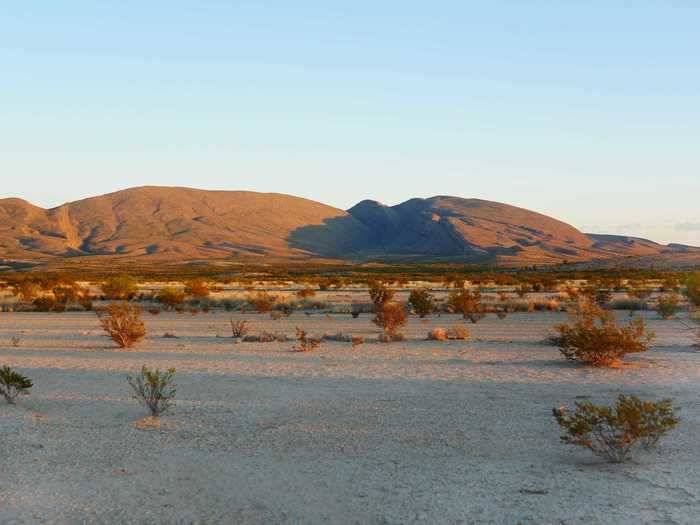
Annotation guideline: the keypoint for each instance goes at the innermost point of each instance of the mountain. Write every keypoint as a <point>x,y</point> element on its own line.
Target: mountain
<point>189,224</point>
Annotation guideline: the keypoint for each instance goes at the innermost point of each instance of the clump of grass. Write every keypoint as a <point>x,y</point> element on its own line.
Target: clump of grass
<point>12,384</point>
<point>614,432</point>
<point>305,343</point>
<point>155,389</point>
<point>239,328</point>
<point>123,324</point>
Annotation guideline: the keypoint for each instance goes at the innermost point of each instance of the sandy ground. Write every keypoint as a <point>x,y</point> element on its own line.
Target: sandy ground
<point>411,432</point>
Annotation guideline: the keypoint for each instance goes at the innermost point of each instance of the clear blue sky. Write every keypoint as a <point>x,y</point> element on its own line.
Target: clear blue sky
<point>588,111</point>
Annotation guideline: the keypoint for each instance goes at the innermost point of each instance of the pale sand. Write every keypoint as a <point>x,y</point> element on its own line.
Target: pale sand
<point>411,432</point>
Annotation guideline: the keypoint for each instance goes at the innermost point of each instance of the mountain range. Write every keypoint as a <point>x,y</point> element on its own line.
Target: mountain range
<point>187,224</point>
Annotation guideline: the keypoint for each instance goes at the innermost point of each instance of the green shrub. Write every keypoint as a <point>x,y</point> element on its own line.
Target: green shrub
<point>13,384</point>
<point>170,297</point>
<point>692,289</point>
<point>614,432</point>
<point>120,287</point>
<point>668,305</point>
<point>422,302</point>
<point>593,336</point>
<point>154,389</point>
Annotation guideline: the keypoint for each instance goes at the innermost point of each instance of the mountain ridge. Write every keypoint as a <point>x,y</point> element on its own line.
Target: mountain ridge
<point>178,223</point>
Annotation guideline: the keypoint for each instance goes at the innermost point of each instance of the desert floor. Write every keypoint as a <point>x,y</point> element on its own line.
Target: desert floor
<point>410,432</point>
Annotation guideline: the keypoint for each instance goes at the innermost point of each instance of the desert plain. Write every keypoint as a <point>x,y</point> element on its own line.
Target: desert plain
<point>413,431</point>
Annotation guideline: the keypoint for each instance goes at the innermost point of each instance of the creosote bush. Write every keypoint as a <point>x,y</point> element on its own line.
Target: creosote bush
<point>668,305</point>
<point>197,288</point>
<point>120,287</point>
<point>261,302</point>
<point>391,317</point>
<point>593,336</point>
<point>380,294</point>
<point>437,334</point>
<point>170,297</point>
<point>468,304</point>
<point>692,289</point>
<point>123,324</point>
<point>154,389</point>
<point>422,302</point>
<point>614,432</point>
<point>13,384</point>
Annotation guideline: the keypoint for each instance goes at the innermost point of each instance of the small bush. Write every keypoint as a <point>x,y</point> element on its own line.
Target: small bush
<point>197,288</point>
<point>593,336</point>
<point>357,340</point>
<point>13,384</point>
<point>154,311</point>
<point>305,343</point>
<point>154,389</point>
<point>380,294</point>
<point>391,317</point>
<point>170,297</point>
<point>692,289</point>
<point>458,332</point>
<point>261,302</point>
<point>123,324</point>
<point>438,334</point>
<point>239,328</point>
<point>422,302</point>
<point>668,305</point>
<point>468,304</point>
<point>120,287</point>
<point>305,293</point>
<point>614,432</point>
<point>338,337</point>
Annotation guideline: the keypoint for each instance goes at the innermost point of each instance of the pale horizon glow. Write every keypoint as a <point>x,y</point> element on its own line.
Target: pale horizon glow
<point>589,113</point>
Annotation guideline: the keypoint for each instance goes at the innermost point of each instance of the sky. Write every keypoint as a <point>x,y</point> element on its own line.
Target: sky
<point>586,111</point>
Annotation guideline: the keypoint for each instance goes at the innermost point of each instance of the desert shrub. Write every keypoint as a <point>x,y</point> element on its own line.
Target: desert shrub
<point>170,297</point>
<point>437,334</point>
<point>305,293</point>
<point>25,290</point>
<point>593,337</point>
<point>458,332</point>
<point>692,289</point>
<point>380,294</point>
<point>47,303</point>
<point>422,302</point>
<point>239,328</point>
<point>468,304</point>
<point>261,302</point>
<point>15,341</point>
<point>197,288</point>
<point>357,340</point>
<point>523,290</point>
<point>120,287</point>
<point>155,389</point>
<point>305,343</point>
<point>390,317</point>
<point>154,311</point>
<point>614,432</point>
<point>668,305</point>
<point>670,284</point>
<point>123,324</point>
<point>12,384</point>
